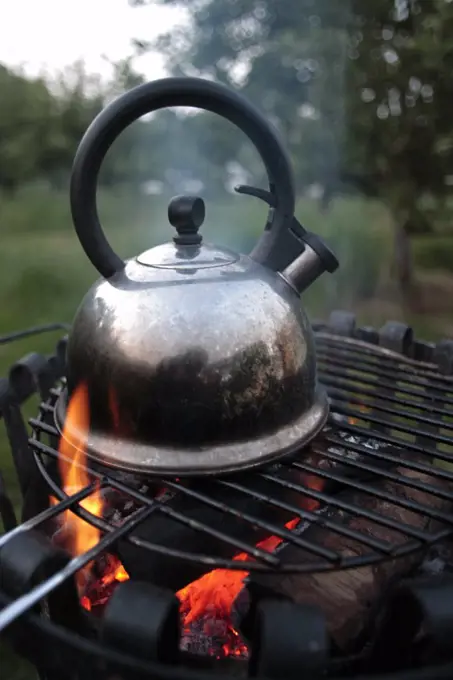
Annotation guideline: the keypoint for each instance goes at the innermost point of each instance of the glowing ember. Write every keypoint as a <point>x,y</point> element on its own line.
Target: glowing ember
<point>103,580</point>
<point>217,591</point>
<point>363,409</point>
<point>206,604</point>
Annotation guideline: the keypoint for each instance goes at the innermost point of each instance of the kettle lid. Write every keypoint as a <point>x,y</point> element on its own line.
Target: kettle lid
<point>187,253</point>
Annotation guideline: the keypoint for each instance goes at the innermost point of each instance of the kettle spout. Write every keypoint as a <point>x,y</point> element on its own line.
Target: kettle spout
<point>316,259</point>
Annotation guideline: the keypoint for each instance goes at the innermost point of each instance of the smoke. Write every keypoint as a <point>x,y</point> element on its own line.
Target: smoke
<point>292,60</point>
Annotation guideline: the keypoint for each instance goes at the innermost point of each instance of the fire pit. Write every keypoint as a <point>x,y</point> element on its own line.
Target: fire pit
<point>297,565</point>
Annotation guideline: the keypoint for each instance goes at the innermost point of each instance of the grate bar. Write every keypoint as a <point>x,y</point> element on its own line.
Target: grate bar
<point>375,405</point>
<point>67,504</point>
<point>395,425</point>
<point>410,446</point>
<point>342,342</point>
<point>156,507</point>
<point>376,359</point>
<point>78,510</point>
<point>259,554</point>
<point>197,558</point>
<point>384,474</point>
<point>318,519</point>
<point>324,371</point>
<point>416,372</point>
<point>42,426</point>
<point>44,407</point>
<point>373,491</point>
<point>396,377</point>
<point>335,387</point>
<point>327,499</point>
<point>396,460</point>
<point>273,529</point>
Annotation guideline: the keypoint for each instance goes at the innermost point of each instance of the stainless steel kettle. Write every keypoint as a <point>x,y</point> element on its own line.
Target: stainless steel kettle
<point>197,360</point>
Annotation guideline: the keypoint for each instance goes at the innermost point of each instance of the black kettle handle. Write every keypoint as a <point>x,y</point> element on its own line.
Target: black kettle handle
<point>192,92</point>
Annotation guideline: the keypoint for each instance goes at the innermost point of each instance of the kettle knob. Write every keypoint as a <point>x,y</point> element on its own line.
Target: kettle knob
<point>186,214</point>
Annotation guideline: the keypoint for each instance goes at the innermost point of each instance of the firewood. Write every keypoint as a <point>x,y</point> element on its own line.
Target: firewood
<point>351,598</point>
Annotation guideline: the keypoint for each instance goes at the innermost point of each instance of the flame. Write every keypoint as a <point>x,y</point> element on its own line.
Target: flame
<point>81,535</point>
<point>213,594</point>
<point>217,590</point>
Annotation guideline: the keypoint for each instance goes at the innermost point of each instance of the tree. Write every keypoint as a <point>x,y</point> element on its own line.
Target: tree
<point>362,90</point>
<point>27,108</point>
<point>42,122</point>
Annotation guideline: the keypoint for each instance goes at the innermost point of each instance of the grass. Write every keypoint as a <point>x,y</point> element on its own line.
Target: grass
<point>44,272</point>
<point>434,253</point>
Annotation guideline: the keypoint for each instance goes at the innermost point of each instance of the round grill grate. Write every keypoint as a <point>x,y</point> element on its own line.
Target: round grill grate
<point>378,479</point>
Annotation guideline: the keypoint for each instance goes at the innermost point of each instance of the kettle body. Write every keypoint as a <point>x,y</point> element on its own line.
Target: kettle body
<point>197,360</point>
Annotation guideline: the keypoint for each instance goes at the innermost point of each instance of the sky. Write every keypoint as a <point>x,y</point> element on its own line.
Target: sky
<point>51,34</point>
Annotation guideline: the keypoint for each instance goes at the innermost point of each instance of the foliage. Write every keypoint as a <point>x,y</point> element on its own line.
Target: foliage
<point>375,73</point>
<point>362,89</point>
<point>42,122</point>
<point>39,127</point>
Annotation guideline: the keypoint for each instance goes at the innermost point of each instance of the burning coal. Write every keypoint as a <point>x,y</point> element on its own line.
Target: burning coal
<point>207,604</point>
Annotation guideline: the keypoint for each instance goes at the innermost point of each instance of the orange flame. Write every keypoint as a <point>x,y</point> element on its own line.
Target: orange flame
<point>217,590</point>
<point>214,592</point>
<point>81,535</point>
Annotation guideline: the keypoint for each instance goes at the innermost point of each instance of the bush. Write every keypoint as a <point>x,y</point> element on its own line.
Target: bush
<point>434,252</point>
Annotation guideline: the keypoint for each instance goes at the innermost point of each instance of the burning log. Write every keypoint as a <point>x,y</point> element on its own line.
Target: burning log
<point>351,599</point>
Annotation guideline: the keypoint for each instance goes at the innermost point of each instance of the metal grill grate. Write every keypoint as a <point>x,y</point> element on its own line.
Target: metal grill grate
<point>388,413</point>
<point>351,439</point>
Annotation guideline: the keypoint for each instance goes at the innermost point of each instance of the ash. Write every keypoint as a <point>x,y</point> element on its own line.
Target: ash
<point>438,560</point>
<point>349,438</point>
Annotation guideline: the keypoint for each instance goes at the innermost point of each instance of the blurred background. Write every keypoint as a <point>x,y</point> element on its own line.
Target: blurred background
<point>362,92</point>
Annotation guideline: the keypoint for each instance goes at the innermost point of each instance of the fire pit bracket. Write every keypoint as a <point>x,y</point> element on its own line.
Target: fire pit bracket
<point>29,558</point>
<point>418,610</point>
<point>397,337</point>
<point>143,620</point>
<point>288,651</point>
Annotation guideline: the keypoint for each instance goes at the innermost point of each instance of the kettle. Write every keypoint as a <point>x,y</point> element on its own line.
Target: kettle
<point>197,360</point>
